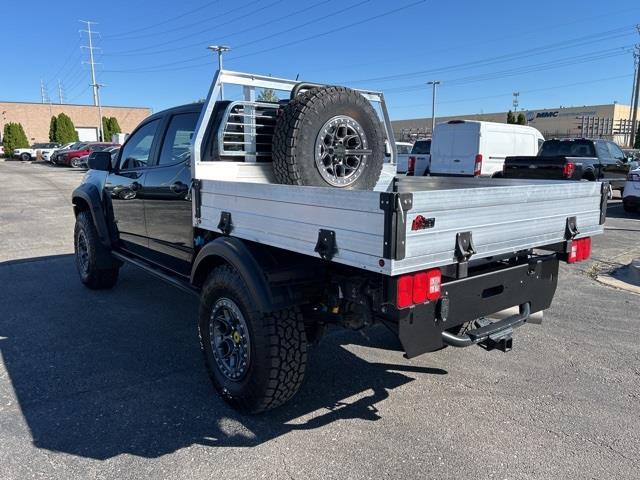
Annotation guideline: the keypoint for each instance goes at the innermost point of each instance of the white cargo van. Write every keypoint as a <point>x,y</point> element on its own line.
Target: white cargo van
<point>472,148</point>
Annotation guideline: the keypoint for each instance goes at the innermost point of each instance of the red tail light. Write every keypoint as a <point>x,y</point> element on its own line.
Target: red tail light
<point>580,250</point>
<point>417,288</point>
<point>477,168</point>
<point>568,170</point>
<point>411,165</point>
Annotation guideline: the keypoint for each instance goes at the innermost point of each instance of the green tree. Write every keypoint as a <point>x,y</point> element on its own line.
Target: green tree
<point>511,118</point>
<point>52,128</point>
<point>13,137</point>
<point>268,95</point>
<point>110,126</point>
<point>106,130</point>
<point>65,130</point>
<point>522,120</point>
<point>114,125</point>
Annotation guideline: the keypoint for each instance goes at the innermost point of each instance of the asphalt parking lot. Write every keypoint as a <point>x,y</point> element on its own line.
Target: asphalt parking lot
<point>111,384</point>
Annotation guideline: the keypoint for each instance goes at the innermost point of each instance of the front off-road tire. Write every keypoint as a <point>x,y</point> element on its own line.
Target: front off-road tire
<point>255,360</point>
<point>328,136</point>
<point>89,251</point>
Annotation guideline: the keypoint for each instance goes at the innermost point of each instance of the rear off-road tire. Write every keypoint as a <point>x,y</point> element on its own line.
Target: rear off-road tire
<point>88,252</point>
<point>330,137</point>
<point>256,361</point>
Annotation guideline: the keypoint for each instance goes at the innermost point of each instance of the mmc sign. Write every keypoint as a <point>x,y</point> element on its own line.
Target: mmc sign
<point>533,115</point>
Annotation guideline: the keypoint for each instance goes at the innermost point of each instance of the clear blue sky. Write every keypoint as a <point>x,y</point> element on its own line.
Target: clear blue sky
<point>152,53</point>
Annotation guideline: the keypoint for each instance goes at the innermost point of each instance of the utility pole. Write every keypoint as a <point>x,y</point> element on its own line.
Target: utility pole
<point>434,84</point>
<point>94,83</point>
<point>220,49</point>
<point>42,94</point>
<point>515,101</point>
<point>634,96</point>
<point>60,96</point>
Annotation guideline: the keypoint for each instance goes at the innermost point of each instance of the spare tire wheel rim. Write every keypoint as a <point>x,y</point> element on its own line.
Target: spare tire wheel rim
<point>229,339</point>
<point>341,151</point>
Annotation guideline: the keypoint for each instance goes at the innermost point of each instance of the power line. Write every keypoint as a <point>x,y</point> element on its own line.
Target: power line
<point>576,42</point>
<point>164,22</point>
<point>207,20</point>
<point>167,66</point>
<point>333,30</point>
<point>519,70</point>
<point>252,28</point>
<point>502,95</point>
<point>302,25</point>
<point>72,99</point>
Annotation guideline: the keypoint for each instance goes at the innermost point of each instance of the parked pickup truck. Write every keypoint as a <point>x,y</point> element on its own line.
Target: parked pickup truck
<point>572,159</point>
<point>266,212</point>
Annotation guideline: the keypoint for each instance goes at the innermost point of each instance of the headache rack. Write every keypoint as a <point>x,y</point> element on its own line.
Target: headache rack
<point>246,129</point>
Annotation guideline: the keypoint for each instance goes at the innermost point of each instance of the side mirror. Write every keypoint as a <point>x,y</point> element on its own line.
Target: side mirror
<point>100,161</point>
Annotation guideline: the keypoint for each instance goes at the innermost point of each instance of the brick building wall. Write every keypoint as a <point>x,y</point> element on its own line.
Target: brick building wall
<point>35,117</point>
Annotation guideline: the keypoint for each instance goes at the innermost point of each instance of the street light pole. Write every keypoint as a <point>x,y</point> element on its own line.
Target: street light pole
<point>433,83</point>
<point>220,49</point>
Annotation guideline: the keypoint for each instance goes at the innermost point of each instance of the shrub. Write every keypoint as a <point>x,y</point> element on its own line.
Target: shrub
<point>65,130</point>
<point>13,137</point>
<point>52,129</point>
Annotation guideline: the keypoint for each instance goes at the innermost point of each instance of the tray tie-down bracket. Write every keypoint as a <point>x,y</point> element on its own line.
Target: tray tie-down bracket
<point>570,232</point>
<point>225,225</point>
<point>463,252</point>
<point>326,245</point>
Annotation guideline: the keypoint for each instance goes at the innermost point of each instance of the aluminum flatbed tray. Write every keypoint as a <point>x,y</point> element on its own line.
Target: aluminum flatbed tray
<point>415,227</point>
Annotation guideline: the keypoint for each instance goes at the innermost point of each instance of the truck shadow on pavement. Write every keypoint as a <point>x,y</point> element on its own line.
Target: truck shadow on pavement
<point>99,374</point>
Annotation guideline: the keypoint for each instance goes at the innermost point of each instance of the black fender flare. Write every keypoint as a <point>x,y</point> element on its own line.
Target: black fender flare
<point>90,195</point>
<point>244,259</point>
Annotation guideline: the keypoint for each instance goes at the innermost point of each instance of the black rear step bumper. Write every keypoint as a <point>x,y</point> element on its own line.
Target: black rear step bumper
<point>487,332</point>
<point>431,326</point>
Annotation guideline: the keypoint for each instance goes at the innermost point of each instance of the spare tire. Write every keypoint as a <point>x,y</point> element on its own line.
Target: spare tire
<point>328,136</point>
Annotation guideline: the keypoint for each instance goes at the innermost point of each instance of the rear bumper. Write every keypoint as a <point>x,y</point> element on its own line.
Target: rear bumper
<point>533,284</point>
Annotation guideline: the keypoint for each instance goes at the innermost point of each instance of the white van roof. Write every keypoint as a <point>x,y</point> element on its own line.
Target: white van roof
<point>483,123</point>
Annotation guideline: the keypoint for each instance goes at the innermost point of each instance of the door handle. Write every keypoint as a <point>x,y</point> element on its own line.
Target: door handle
<point>135,186</point>
<point>179,187</point>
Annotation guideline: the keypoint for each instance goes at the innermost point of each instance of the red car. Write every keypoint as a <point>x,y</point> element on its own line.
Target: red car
<point>71,158</point>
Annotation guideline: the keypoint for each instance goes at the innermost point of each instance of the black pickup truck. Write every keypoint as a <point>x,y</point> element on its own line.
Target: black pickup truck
<point>572,159</point>
<point>275,263</point>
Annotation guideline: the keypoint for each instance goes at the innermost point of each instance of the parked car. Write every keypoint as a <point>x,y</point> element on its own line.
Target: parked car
<point>27,154</point>
<point>70,158</point>
<point>53,158</point>
<point>83,161</point>
<point>403,150</point>
<point>275,260</point>
<point>419,162</point>
<point>573,159</point>
<point>631,192</point>
<point>471,148</point>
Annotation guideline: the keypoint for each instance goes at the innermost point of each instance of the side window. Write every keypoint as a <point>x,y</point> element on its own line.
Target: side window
<point>616,151</point>
<point>136,152</point>
<point>603,151</point>
<point>176,147</point>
